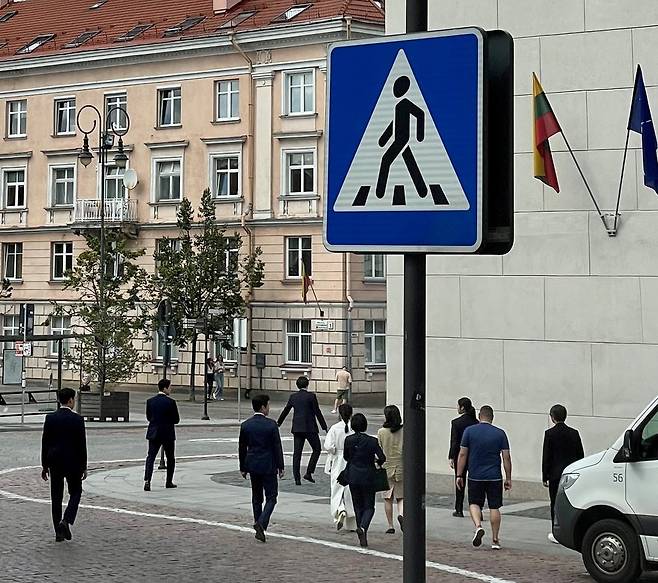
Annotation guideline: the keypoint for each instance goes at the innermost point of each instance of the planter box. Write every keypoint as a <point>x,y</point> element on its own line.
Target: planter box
<point>116,406</point>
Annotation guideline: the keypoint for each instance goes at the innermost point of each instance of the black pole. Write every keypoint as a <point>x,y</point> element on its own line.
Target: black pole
<point>60,358</point>
<point>207,385</point>
<point>414,383</point>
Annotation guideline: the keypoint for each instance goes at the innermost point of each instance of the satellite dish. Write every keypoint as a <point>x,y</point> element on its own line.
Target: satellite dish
<point>130,180</point>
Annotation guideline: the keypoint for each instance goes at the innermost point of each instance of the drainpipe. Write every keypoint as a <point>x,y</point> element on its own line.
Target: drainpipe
<point>348,27</point>
<point>249,201</point>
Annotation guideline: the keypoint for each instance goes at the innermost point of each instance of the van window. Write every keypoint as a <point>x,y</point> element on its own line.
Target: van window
<point>649,443</point>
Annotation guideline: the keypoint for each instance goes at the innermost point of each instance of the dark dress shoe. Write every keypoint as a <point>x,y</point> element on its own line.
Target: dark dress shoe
<point>59,534</point>
<point>298,482</point>
<point>401,521</point>
<point>363,538</point>
<point>309,478</point>
<point>260,533</point>
<point>171,485</point>
<point>147,486</point>
<point>458,514</point>
<point>66,530</point>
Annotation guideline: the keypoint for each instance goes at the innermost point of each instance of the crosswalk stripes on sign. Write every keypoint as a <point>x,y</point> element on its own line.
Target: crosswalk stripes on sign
<point>401,163</point>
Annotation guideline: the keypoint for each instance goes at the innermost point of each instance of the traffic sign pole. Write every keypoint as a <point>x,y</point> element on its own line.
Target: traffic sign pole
<point>414,356</point>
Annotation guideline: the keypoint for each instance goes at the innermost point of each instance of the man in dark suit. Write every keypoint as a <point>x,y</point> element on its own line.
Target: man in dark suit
<point>304,428</point>
<point>261,456</point>
<point>64,457</point>
<point>562,447</point>
<point>162,415</point>
<point>467,417</point>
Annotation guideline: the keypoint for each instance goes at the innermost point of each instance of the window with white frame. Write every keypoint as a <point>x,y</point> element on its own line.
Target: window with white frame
<point>13,181</point>
<point>115,117</point>
<point>167,180</point>
<point>228,100</point>
<point>169,107</point>
<point>114,187</point>
<point>300,172</point>
<point>159,343</point>
<point>59,325</point>
<point>11,327</point>
<point>226,179</point>
<point>298,253</point>
<point>17,118</point>
<point>62,259</point>
<point>65,116</point>
<point>375,338</point>
<point>12,260</point>
<point>231,255</point>
<point>161,245</point>
<point>300,92</point>
<point>298,342</point>
<point>374,267</point>
<point>228,354</point>
<point>62,185</point>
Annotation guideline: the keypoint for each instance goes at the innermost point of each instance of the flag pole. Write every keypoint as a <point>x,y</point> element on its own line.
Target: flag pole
<point>316,299</point>
<point>621,179</point>
<point>589,190</point>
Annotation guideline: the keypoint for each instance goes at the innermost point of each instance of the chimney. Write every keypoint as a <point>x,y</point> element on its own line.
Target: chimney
<point>219,6</point>
<point>4,3</point>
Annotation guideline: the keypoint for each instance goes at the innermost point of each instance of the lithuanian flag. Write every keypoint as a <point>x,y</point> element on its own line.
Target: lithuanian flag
<point>545,126</point>
<point>306,283</point>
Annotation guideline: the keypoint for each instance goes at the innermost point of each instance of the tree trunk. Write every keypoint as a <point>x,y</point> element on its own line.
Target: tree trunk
<point>193,371</point>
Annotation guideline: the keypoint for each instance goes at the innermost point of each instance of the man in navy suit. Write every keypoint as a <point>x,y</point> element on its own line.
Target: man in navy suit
<point>261,456</point>
<point>304,428</point>
<point>162,415</point>
<point>64,457</point>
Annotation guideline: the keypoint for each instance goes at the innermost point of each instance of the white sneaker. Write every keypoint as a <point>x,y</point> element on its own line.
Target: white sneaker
<point>478,536</point>
<point>334,411</point>
<point>552,539</point>
<point>495,546</point>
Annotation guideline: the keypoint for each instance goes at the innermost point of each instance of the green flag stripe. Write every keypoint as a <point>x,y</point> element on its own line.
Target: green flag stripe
<point>542,106</point>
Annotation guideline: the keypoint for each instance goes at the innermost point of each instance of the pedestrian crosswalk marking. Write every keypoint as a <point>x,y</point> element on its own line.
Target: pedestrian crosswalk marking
<point>401,158</point>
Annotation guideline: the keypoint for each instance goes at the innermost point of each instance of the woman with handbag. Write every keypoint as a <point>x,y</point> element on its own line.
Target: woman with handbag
<point>390,439</point>
<point>361,453</point>
<point>342,510</point>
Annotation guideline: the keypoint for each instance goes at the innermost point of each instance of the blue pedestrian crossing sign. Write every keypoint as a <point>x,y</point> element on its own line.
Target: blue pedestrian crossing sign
<point>405,145</point>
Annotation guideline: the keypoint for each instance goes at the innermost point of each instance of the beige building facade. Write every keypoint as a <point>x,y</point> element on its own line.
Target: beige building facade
<point>239,112</point>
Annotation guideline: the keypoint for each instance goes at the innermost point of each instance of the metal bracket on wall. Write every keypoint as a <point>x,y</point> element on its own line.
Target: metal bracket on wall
<point>611,222</point>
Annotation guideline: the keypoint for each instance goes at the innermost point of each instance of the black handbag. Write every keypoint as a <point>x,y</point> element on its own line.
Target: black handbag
<point>381,480</point>
<point>342,478</point>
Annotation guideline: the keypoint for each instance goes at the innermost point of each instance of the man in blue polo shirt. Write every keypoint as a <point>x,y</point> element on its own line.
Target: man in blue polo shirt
<point>482,447</point>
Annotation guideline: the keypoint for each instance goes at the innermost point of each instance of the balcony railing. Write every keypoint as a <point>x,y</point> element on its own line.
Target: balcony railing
<point>116,211</point>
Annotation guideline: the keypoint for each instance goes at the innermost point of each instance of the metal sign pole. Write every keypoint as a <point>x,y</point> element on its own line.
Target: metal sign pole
<point>414,383</point>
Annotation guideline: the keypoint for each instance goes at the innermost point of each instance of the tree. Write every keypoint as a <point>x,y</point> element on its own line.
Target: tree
<point>201,272</point>
<point>109,327</point>
<point>5,289</point>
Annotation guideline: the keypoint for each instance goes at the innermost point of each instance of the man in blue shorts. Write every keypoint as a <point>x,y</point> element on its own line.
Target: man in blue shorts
<point>482,447</point>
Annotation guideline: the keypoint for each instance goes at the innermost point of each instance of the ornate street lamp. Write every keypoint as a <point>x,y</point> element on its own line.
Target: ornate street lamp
<point>107,131</point>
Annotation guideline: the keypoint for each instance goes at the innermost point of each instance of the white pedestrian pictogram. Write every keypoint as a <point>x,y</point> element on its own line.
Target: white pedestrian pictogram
<point>401,163</point>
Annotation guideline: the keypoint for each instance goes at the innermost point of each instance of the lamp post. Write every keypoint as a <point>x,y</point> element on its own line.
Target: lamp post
<point>107,130</point>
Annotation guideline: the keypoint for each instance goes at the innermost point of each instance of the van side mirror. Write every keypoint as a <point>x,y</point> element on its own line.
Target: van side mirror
<point>627,448</point>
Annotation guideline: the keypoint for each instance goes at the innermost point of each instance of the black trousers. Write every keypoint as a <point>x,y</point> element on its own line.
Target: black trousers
<point>263,486</point>
<point>314,441</point>
<point>552,492</point>
<point>169,450</point>
<point>459,494</point>
<point>363,498</point>
<point>74,482</point>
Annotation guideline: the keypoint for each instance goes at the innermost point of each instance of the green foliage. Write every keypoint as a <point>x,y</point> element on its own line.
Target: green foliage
<point>205,272</point>
<point>5,289</point>
<point>111,319</point>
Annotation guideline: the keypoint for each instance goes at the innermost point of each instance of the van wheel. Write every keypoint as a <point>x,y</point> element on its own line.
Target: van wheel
<point>611,552</point>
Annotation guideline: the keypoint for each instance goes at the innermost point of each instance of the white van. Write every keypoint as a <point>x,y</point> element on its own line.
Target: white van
<point>607,505</point>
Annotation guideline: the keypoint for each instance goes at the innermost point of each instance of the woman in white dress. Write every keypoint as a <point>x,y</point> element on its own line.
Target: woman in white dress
<point>342,510</point>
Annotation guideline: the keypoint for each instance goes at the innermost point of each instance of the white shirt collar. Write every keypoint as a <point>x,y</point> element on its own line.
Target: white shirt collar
<point>65,407</point>
<point>259,413</point>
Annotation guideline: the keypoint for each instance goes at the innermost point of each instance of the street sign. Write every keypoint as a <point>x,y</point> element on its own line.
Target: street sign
<point>240,332</point>
<point>323,325</point>
<point>189,323</point>
<point>18,347</point>
<point>27,349</point>
<point>407,155</point>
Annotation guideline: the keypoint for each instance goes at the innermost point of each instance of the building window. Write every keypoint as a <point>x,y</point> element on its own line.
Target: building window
<point>12,260</point>
<point>160,349</point>
<point>300,93</point>
<point>298,252</point>
<point>374,267</point>
<point>161,246</point>
<point>59,325</point>
<point>228,100</point>
<point>11,327</point>
<point>228,354</point>
<point>168,180</point>
<point>64,116</point>
<point>14,188</point>
<point>63,186</point>
<point>226,179</point>
<point>114,188</point>
<point>17,118</point>
<point>115,117</point>
<point>231,255</point>
<point>300,172</point>
<point>62,260</point>
<point>375,337</point>
<point>169,107</point>
<point>298,341</point>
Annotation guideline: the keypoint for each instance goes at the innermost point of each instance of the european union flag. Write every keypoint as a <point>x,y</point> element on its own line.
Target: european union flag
<point>640,121</point>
